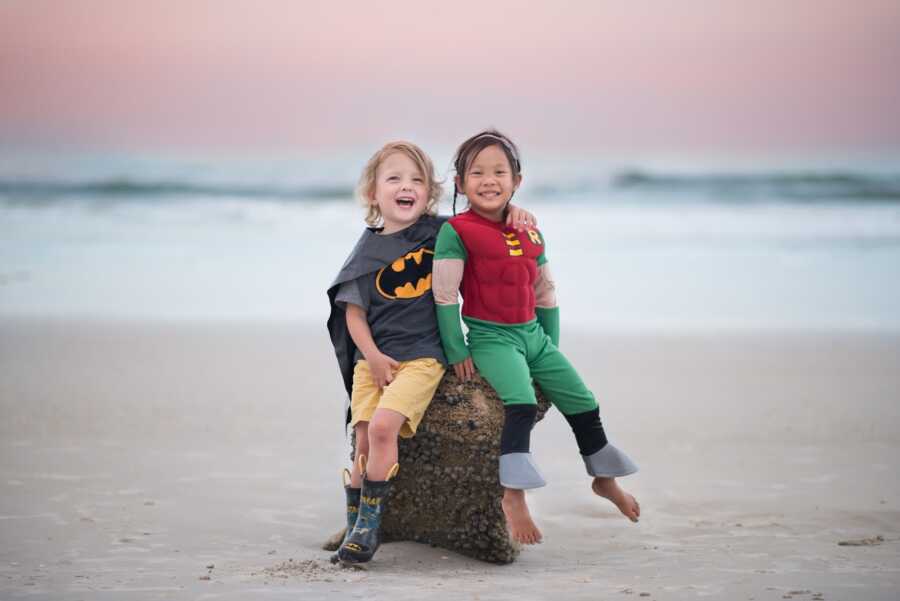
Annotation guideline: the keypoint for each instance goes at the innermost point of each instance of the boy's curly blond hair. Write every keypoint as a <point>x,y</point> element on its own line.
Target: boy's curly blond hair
<point>365,190</point>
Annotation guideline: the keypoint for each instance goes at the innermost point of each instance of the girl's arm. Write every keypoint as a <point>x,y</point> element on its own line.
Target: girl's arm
<point>446,276</point>
<point>381,366</point>
<point>545,306</point>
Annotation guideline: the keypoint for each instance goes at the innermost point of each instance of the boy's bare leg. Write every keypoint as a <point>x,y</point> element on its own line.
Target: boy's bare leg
<point>383,431</point>
<point>362,448</point>
<point>608,488</point>
<point>518,519</point>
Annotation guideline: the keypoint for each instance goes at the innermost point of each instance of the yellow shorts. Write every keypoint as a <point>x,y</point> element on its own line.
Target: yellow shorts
<point>409,393</point>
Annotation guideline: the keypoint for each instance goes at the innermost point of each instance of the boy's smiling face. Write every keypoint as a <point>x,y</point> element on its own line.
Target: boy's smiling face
<point>401,192</point>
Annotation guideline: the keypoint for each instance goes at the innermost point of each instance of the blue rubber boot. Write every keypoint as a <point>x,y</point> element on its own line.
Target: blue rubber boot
<point>352,495</point>
<point>365,538</point>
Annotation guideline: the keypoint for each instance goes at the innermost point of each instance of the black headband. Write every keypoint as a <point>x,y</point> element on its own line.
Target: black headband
<point>506,144</point>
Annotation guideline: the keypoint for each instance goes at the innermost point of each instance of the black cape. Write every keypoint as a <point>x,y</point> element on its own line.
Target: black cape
<point>371,253</point>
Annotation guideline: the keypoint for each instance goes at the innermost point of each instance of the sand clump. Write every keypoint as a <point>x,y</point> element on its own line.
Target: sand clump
<point>311,570</point>
<point>862,542</point>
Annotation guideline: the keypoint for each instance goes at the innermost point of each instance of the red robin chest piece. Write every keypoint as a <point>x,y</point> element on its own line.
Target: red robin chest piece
<point>501,268</point>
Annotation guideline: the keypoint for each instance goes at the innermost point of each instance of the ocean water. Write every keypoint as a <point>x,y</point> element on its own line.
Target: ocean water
<point>652,244</point>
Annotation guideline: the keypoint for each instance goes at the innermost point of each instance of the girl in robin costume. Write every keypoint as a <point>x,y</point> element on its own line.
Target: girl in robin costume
<point>384,329</point>
<point>509,306</point>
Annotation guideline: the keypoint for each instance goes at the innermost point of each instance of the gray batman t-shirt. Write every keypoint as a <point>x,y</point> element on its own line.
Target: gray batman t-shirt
<point>399,306</point>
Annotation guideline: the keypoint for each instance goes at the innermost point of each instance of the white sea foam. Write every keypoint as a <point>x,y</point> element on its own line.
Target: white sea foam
<point>622,260</point>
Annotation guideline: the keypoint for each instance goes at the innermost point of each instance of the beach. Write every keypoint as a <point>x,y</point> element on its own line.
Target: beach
<point>718,200</point>
<point>200,460</point>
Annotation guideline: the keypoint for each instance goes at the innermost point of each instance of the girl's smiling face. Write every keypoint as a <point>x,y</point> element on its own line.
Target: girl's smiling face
<point>488,183</point>
<point>401,192</point>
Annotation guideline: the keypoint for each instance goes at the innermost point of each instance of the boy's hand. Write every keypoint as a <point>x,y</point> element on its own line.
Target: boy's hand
<point>465,369</point>
<point>382,368</point>
<point>519,219</point>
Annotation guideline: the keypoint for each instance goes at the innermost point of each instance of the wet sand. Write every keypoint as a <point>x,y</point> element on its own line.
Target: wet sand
<point>188,461</point>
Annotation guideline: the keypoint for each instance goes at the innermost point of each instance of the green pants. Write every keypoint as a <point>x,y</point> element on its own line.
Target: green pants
<point>509,356</point>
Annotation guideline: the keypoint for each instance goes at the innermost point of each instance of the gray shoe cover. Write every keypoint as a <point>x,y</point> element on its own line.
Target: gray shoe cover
<point>608,462</point>
<point>518,470</point>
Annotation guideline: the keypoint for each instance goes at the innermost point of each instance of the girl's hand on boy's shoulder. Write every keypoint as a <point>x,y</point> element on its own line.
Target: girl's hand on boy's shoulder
<point>382,368</point>
<point>519,219</point>
<point>465,369</point>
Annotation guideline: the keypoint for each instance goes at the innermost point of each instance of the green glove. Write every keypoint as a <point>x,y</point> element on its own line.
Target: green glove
<point>451,333</point>
<point>549,320</point>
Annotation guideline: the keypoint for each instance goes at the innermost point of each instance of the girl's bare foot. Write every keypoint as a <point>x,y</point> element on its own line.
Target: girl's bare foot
<point>518,519</point>
<point>608,488</point>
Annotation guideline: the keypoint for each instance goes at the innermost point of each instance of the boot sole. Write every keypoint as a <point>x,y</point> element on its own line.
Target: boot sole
<point>349,557</point>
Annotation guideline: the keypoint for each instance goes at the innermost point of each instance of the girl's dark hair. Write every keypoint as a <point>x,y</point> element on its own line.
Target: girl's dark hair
<point>469,149</point>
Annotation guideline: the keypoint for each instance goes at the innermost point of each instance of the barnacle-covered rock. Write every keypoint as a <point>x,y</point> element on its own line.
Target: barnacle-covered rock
<point>448,491</point>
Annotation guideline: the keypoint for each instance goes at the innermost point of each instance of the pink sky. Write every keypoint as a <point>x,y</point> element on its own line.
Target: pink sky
<point>259,75</point>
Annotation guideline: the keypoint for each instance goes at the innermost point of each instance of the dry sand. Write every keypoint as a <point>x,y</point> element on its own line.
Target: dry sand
<point>164,461</point>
